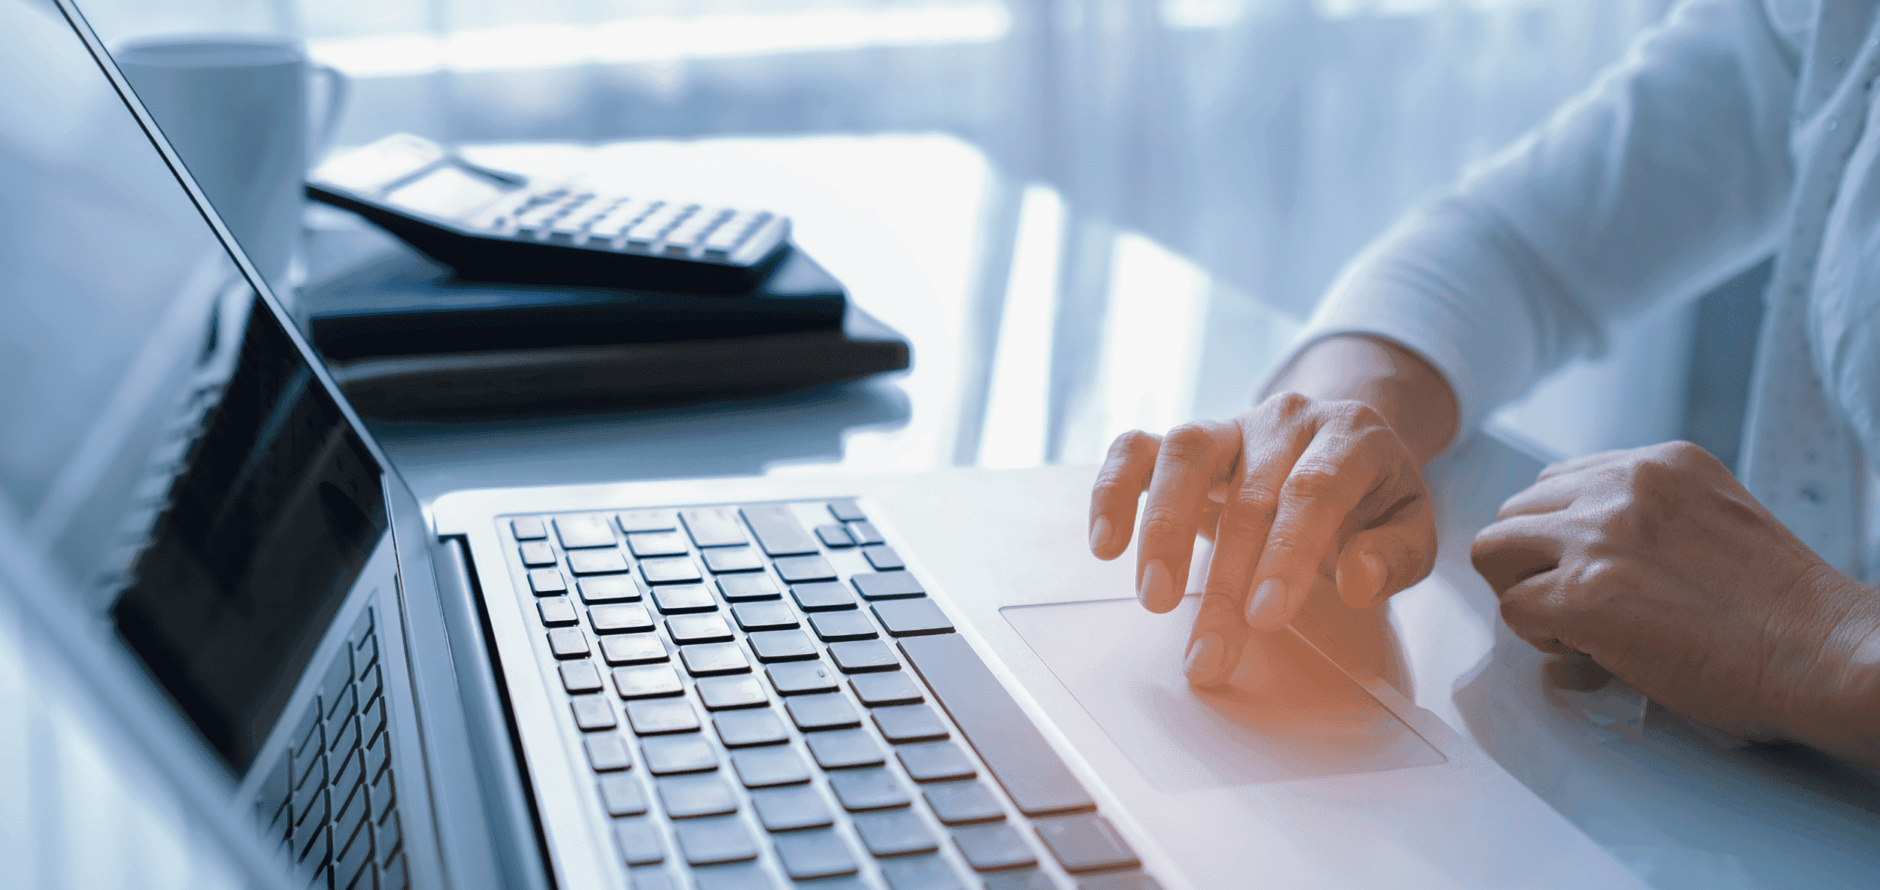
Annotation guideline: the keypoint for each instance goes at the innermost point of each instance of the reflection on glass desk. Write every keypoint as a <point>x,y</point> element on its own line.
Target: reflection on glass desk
<point>1037,335</point>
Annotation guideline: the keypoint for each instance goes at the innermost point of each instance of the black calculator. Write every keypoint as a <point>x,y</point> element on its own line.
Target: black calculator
<point>494,225</point>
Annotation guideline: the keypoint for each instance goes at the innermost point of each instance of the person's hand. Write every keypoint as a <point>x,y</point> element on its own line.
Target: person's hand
<point>1661,567</point>
<point>1296,492</point>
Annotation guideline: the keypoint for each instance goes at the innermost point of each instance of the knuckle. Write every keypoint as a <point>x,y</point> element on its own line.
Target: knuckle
<point>1187,442</point>
<point>1161,522</point>
<point>1311,481</point>
<point>1287,404</point>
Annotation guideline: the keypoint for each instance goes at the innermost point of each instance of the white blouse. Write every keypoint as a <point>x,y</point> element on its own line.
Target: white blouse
<point>1735,129</point>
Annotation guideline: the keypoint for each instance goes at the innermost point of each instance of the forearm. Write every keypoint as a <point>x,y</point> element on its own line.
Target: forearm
<point>1411,394</point>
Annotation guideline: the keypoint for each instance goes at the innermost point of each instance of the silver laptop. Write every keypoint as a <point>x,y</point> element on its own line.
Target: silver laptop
<point>908,682</point>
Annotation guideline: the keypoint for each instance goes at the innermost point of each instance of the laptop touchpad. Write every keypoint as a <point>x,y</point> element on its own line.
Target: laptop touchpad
<point>1288,712</point>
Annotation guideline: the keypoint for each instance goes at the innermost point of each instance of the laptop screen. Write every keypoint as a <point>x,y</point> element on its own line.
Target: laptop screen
<point>160,435</point>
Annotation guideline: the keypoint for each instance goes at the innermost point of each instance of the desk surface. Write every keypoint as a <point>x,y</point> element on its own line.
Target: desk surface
<point>1035,341</point>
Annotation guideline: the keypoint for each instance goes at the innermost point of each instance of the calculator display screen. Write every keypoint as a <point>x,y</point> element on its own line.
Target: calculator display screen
<point>447,192</point>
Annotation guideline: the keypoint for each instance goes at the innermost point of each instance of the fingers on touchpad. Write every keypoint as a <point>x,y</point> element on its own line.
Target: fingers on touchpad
<point>1286,714</point>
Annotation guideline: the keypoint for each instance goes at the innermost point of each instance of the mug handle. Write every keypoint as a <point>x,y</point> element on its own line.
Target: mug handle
<point>338,89</point>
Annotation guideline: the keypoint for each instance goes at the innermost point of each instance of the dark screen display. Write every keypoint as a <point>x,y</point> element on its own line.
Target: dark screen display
<point>276,509</point>
<point>162,441</point>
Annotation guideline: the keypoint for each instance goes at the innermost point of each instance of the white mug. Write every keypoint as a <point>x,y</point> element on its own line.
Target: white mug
<point>236,110</point>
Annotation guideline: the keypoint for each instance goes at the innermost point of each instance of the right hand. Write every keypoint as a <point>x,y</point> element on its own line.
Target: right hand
<point>1296,493</point>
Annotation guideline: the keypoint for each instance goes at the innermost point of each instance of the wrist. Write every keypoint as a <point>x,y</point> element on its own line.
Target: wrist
<point>1835,706</point>
<point>1413,397</point>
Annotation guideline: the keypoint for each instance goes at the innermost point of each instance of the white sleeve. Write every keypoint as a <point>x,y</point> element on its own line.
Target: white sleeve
<point>1665,177</point>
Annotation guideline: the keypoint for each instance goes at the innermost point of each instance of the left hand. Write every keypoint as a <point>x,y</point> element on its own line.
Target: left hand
<point>1661,567</point>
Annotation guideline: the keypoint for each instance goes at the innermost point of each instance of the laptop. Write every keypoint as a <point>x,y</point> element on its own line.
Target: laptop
<point>905,681</point>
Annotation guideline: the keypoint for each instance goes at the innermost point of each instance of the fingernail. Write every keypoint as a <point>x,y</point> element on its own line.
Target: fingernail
<point>1099,533</point>
<point>1374,564</point>
<point>1155,579</point>
<point>1204,658</point>
<point>1267,602</point>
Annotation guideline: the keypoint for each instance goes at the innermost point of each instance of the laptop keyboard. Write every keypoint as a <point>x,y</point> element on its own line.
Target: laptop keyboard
<point>765,695</point>
<point>329,799</point>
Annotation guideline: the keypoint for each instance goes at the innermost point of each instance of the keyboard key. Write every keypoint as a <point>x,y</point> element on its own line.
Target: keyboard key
<point>661,716</point>
<point>675,754</point>
<point>781,645</point>
<point>722,693</point>
<point>387,837</point>
<point>798,569</point>
<point>832,627</point>
<point>993,847</point>
<point>875,690</point>
<point>682,598</point>
<point>777,530</point>
<point>883,558</point>
<point>832,535</point>
<point>339,742</point>
<point>845,749</point>
<point>622,796</point>
<point>732,876</point>
<point>886,585</point>
<point>384,794</point>
<point>366,655</point>
<point>647,681</point>
<point>537,554</point>
<point>1013,750</point>
<point>583,531</point>
<point>556,611</point>
<point>763,616</point>
<point>593,713</point>
<point>1025,879</point>
<point>580,676</point>
<point>691,797</point>
<point>634,649</point>
<point>815,854</point>
<point>669,570</point>
<point>769,767</point>
<point>962,803</point>
<point>568,642</point>
<point>346,826</point>
<point>528,529</point>
<point>919,873</point>
<point>801,677</point>
<point>861,790</point>
<point>310,810</point>
<point>712,841</point>
<point>607,753</point>
<point>713,659</point>
<point>909,723</point>
<point>340,705</point>
<point>739,588</point>
<point>394,876</point>
<point>616,618</point>
<point>1086,843</point>
<point>648,544</point>
<point>732,559</point>
<point>744,729</point>
<point>822,596</point>
<point>372,720</point>
<point>315,843</point>
<point>610,589</point>
<point>912,617</point>
<point>712,527</point>
<point>863,656</point>
<point>1134,880</point>
<point>812,713</point>
<point>864,533</point>
<point>935,762</point>
<point>647,521</point>
<point>846,510</point>
<point>688,629</point>
<point>547,582</point>
<point>378,755</point>
<point>895,833</point>
<point>639,842</point>
<point>791,809</point>
<point>596,562</point>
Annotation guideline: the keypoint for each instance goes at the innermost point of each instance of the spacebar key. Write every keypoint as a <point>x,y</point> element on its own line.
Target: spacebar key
<point>1013,749</point>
